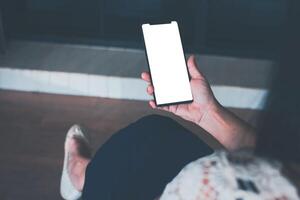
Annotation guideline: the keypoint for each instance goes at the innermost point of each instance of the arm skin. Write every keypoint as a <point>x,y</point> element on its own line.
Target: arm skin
<point>231,131</point>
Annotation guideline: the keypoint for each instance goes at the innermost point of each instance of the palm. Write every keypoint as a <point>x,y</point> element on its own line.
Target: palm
<point>203,96</point>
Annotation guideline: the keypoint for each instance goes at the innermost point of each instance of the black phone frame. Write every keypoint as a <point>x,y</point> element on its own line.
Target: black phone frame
<point>145,50</point>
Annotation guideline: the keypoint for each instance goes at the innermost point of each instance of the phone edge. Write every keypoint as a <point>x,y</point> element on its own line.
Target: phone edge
<point>148,66</point>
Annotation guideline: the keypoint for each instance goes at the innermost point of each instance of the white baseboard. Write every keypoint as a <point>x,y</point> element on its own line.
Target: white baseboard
<point>113,87</point>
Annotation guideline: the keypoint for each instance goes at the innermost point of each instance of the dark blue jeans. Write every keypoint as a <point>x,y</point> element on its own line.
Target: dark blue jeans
<point>138,161</point>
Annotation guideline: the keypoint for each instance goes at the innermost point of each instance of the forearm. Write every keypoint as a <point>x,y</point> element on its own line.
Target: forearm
<point>232,132</point>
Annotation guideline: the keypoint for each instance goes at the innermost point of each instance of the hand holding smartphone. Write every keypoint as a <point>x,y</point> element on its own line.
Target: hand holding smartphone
<point>166,60</point>
<point>170,82</point>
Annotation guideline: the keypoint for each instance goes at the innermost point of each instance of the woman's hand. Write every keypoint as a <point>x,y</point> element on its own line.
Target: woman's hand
<point>232,132</point>
<point>203,97</point>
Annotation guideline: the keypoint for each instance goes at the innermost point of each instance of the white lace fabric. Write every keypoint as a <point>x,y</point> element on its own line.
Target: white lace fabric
<point>223,176</point>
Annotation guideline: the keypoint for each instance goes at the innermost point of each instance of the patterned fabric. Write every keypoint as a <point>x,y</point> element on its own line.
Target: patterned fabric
<point>223,176</point>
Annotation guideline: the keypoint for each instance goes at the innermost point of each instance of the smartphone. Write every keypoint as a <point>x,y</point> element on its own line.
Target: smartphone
<point>167,64</point>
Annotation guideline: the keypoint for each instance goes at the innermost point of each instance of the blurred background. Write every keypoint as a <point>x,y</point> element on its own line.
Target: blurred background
<point>73,61</point>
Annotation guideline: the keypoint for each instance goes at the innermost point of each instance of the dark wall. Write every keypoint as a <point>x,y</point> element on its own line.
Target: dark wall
<point>228,27</point>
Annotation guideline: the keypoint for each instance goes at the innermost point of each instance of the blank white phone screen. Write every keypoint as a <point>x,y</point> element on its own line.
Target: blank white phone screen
<point>167,63</point>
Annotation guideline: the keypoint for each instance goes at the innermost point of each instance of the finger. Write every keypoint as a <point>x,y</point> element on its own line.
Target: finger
<point>173,108</point>
<point>193,67</point>
<point>146,76</point>
<point>150,89</point>
<point>182,111</point>
<point>165,108</point>
<point>152,104</point>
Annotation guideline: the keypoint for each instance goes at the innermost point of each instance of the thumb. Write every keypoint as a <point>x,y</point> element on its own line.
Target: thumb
<point>193,68</point>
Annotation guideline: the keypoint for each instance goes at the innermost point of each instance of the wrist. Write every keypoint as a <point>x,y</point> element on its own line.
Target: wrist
<point>215,124</point>
<point>213,109</point>
<point>232,132</point>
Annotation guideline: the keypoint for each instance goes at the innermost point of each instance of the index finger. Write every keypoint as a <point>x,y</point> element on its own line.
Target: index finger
<point>146,76</point>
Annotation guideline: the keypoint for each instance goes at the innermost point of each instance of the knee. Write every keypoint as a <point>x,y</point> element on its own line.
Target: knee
<point>155,118</point>
<point>154,123</point>
<point>145,127</point>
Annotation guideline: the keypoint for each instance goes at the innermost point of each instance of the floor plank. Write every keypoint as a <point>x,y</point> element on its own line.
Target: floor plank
<point>33,128</point>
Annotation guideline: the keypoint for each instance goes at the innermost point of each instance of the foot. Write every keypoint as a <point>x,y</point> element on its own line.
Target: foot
<point>77,156</point>
<point>77,162</point>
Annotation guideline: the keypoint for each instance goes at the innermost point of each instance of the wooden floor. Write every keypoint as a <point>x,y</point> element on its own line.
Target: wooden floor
<point>33,128</point>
